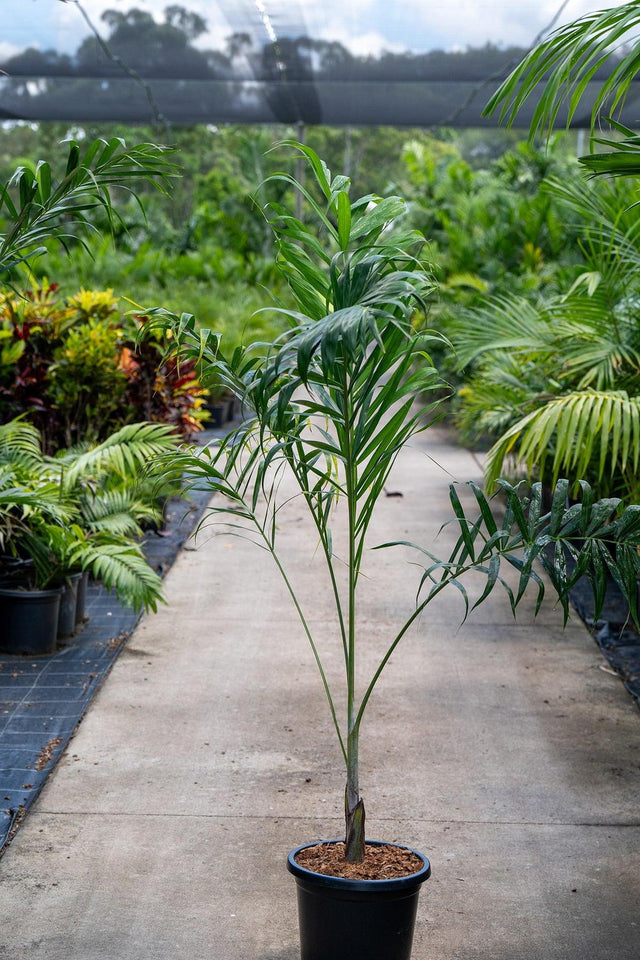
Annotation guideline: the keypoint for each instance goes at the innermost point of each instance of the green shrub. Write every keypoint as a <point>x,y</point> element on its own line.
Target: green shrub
<point>71,366</point>
<point>86,384</point>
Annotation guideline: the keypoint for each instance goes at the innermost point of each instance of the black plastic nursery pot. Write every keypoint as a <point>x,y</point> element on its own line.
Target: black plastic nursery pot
<point>29,620</point>
<point>219,413</point>
<point>81,599</point>
<point>68,605</point>
<point>356,919</point>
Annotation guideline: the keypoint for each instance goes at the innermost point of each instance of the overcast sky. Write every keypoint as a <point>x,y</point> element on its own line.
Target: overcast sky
<point>365,26</point>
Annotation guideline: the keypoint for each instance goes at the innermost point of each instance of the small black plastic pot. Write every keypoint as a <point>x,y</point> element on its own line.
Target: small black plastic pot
<point>81,599</point>
<point>68,605</point>
<point>29,620</point>
<point>219,412</point>
<point>356,919</point>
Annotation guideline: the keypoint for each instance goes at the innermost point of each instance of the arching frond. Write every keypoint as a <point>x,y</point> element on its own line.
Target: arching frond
<point>38,207</point>
<point>128,452</point>
<point>122,568</point>
<point>20,443</point>
<point>512,324</point>
<point>586,431</point>
<point>565,64</point>
<point>118,512</point>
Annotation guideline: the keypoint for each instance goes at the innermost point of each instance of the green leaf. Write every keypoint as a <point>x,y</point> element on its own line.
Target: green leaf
<point>319,167</point>
<point>384,212</point>
<point>73,158</point>
<point>43,176</point>
<point>344,220</point>
<point>563,64</point>
<point>558,506</point>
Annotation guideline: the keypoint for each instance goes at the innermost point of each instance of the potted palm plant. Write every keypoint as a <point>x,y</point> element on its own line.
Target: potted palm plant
<point>62,515</point>
<point>333,402</point>
<point>29,617</point>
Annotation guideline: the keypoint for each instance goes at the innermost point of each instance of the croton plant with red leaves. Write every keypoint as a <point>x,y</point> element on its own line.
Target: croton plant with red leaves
<point>73,367</point>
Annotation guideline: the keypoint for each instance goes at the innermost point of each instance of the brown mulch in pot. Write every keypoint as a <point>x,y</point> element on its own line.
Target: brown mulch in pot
<point>385,862</point>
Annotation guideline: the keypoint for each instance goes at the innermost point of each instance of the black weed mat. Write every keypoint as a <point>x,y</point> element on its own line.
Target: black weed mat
<point>42,699</point>
<point>614,632</point>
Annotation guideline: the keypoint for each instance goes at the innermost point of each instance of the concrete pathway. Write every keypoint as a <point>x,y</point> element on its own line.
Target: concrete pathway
<point>507,752</point>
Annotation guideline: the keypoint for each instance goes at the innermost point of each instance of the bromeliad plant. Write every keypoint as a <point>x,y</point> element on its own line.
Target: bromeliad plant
<point>333,402</point>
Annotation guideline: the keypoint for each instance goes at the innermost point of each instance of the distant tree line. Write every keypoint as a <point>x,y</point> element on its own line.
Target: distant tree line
<point>296,79</point>
<point>166,50</point>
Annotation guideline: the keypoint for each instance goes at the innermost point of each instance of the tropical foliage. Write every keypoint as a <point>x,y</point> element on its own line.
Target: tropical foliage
<point>490,229</point>
<point>554,377</point>
<point>73,368</point>
<point>562,71</point>
<point>332,405</point>
<point>57,365</point>
<point>39,206</point>
<point>82,510</point>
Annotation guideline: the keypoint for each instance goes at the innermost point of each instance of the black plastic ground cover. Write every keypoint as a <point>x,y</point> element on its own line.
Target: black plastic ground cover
<point>43,699</point>
<point>613,632</point>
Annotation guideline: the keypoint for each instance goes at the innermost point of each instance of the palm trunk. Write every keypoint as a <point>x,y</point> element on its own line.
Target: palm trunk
<point>354,815</point>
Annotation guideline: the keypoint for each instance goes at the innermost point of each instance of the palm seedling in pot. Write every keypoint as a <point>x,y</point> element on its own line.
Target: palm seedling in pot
<point>79,511</point>
<point>333,402</point>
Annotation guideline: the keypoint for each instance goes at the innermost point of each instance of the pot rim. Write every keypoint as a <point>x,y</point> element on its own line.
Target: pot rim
<point>73,577</point>
<point>30,592</point>
<point>345,883</point>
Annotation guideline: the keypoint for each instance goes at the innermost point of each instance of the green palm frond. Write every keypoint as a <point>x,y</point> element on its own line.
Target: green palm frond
<point>39,497</point>
<point>566,62</point>
<point>123,568</point>
<point>598,349</point>
<point>596,336</point>
<point>118,511</point>
<point>37,207</point>
<point>602,203</point>
<point>492,400</point>
<point>128,452</point>
<point>84,508</point>
<point>20,443</point>
<point>596,539</point>
<point>503,323</point>
<point>609,224</point>
<point>19,501</point>
<point>621,158</point>
<point>586,431</point>
<point>52,547</point>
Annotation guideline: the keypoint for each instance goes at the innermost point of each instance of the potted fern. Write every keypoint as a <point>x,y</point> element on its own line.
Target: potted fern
<point>333,402</point>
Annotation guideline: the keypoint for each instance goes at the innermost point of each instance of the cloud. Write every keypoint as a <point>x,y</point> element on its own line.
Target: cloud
<point>462,23</point>
<point>364,26</point>
<point>371,43</point>
<point>8,50</point>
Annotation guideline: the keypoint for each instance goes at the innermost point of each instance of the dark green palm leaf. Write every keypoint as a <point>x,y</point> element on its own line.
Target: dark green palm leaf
<point>38,207</point>
<point>559,69</point>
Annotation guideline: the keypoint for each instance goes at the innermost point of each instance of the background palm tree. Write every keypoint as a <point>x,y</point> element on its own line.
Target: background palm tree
<point>557,379</point>
<point>38,206</point>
